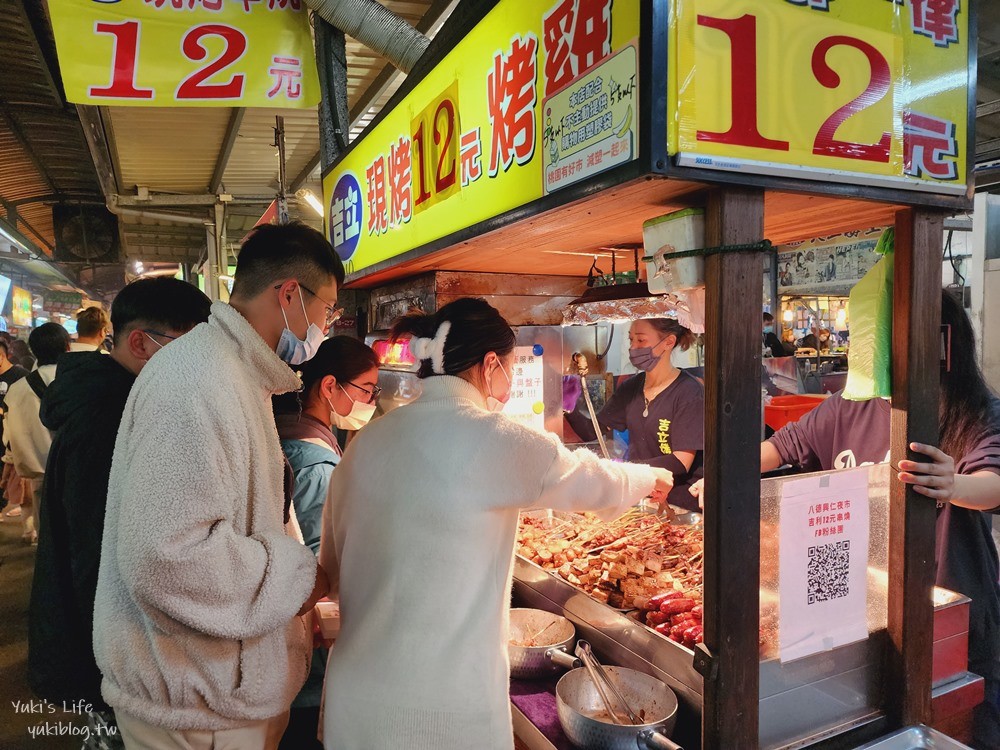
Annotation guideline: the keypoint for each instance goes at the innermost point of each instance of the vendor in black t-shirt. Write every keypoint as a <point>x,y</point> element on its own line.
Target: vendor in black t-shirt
<point>662,408</point>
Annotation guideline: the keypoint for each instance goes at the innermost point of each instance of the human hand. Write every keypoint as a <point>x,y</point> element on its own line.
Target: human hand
<point>320,589</point>
<point>935,479</point>
<point>698,490</point>
<point>664,483</point>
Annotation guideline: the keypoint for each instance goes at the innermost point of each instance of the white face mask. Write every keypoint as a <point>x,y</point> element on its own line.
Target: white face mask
<point>294,350</point>
<point>494,404</point>
<point>360,414</point>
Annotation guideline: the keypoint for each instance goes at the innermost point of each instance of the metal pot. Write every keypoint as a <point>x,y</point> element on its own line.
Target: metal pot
<point>586,724</point>
<point>546,659</point>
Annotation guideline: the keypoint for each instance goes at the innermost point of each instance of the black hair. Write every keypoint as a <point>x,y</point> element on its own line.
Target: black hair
<point>343,357</point>
<point>670,327</point>
<point>966,399</point>
<point>160,303</point>
<point>90,321</point>
<point>20,354</point>
<point>274,252</point>
<point>768,318</point>
<point>5,341</point>
<point>477,328</point>
<point>48,342</point>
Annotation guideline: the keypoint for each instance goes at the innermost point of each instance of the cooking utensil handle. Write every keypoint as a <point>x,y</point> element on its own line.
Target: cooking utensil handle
<point>650,739</point>
<point>596,677</point>
<point>560,658</point>
<point>593,417</point>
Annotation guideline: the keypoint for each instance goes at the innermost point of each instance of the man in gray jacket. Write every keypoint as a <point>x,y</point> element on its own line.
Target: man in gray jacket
<point>198,625</point>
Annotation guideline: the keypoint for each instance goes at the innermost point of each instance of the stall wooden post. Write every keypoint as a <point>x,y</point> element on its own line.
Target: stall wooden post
<point>729,661</point>
<point>915,393</point>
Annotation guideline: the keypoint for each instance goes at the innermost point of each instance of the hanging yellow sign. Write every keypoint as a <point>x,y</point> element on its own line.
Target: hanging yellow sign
<point>536,97</point>
<point>868,92</point>
<point>186,53</point>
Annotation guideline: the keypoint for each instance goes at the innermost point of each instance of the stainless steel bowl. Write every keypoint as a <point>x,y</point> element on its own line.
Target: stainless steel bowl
<point>587,725</point>
<point>531,662</point>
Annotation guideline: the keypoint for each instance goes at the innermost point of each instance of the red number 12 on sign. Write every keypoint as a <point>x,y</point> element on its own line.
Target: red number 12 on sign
<point>125,61</point>
<point>744,131</point>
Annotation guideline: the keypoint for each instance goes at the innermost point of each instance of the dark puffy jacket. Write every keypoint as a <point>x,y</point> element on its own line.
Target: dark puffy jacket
<point>83,407</point>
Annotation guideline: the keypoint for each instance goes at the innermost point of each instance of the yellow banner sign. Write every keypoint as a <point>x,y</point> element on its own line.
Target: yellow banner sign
<point>186,53</point>
<point>536,97</point>
<point>868,92</point>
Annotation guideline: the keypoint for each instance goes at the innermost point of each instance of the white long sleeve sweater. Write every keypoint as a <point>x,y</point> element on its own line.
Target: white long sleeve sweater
<point>419,534</point>
<point>29,439</point>
<point>194,622</point>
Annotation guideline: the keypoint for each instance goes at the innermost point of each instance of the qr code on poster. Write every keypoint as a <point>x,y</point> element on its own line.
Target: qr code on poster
<point>828,574</point>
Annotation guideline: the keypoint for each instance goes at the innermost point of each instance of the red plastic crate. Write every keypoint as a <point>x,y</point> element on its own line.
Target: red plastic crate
<point>785,409</point>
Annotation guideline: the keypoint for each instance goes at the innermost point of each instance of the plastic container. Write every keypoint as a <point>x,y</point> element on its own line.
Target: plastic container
<point>785,409</point>
<point>675,232</point>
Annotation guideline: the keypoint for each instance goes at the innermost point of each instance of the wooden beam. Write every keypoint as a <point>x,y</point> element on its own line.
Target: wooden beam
<point>732,494</point>
<point>916,346</point>
<point>226,149</point>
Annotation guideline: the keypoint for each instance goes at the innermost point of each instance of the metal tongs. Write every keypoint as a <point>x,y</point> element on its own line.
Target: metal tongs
<point>582,369</point>
<point>603,684</point>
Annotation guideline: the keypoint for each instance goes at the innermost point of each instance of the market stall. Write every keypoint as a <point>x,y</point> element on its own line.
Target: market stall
<point>536,142</point>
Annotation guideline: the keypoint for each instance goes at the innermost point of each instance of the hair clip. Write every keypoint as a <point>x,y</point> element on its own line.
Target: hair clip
<point>432,349</point>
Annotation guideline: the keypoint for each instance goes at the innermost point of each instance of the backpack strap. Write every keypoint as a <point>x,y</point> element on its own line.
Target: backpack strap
<point>34,379</point>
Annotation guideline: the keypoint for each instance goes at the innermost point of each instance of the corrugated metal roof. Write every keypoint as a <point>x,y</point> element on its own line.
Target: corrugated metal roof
<point>170,150</point>
<point>177,150</point>
<point>43,155</point>
<point>253,164</point>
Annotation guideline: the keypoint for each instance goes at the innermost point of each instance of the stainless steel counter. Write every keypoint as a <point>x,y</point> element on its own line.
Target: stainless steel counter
<point>800,702</point>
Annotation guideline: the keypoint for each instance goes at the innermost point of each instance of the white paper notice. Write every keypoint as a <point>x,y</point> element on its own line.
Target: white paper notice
<point>823,562</point>
<point>527,398</point>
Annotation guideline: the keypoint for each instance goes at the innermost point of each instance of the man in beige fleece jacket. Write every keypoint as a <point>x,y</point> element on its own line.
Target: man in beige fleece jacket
<point>197,622</point>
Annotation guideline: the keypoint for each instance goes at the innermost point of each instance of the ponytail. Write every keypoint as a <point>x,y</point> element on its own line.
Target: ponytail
<point>456,337</point>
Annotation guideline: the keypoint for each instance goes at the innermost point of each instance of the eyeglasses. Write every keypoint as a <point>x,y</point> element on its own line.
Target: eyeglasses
<point>333,313</point>
<point>150,332</point>
<point>372,394</point>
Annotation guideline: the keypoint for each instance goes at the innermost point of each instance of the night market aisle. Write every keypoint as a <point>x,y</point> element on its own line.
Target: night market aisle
<point>17,561</point>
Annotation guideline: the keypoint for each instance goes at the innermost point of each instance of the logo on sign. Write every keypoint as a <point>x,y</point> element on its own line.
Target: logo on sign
<point>346,216</point>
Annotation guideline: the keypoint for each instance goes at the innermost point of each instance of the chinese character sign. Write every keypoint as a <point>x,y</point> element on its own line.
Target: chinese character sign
<point>191,53</point>
<point>466,143</point>
<point>871,92</point>
<point>527,397</point>
<point>823,563</point>
<point>590,125</point>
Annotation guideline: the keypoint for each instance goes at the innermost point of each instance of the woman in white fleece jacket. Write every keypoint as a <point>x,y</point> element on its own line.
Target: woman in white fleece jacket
<point>422,546</point>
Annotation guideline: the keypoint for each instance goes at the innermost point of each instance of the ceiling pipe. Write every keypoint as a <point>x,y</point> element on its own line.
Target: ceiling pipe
<point>376,27</point>
<point>136,213</point>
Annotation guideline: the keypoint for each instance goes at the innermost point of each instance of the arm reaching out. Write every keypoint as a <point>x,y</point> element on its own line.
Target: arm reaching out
<point>938,480</point>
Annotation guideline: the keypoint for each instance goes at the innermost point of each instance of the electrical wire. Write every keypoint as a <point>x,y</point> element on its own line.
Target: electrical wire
<point>951,258</point>
<point>611,337</point>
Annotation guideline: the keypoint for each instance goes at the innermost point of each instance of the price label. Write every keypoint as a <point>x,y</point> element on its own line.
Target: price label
<point>166,53</point>
<point>435,142</point>
<point>866,91</point>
